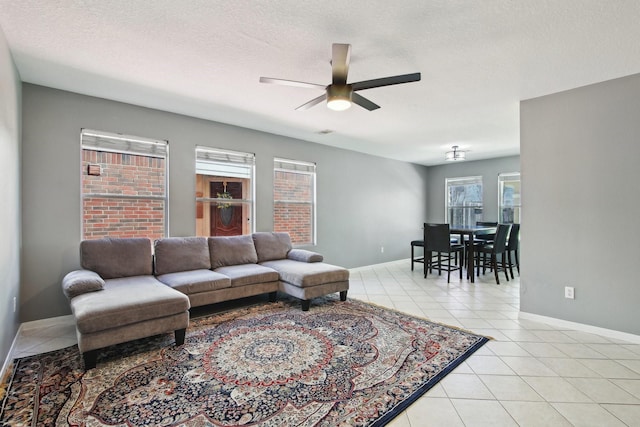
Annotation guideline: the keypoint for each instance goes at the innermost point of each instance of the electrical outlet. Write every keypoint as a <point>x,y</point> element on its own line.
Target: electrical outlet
<point>569,292</point>
<point>15,304</point>
<point>381,249</point>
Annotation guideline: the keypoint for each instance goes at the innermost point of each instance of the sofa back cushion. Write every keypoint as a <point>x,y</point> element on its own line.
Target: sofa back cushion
<point>232,250</point>
<point>174,254</point>
<point>271,246</point>
<point>113,257</point>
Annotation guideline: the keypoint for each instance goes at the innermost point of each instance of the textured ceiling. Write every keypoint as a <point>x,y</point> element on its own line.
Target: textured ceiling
<point>203,58</point>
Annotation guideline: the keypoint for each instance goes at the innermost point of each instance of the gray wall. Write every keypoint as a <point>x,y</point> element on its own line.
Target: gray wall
<point>487,169</point>
<point>364,202</point>
<point>579,152</point>
<point>10,96</point>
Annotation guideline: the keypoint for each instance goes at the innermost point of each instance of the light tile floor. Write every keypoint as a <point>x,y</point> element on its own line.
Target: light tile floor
<point>531,374</point>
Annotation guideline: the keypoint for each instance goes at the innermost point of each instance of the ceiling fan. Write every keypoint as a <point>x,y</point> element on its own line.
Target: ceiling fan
<point>340,94</point>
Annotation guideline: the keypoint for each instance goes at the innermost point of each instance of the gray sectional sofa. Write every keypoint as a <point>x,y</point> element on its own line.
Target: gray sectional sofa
<point>129,289</point>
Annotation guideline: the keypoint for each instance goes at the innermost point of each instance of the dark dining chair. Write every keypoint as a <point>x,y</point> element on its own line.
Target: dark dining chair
<point>437,241</point>
<point>512,247</point>
<point>498,247</point>
<point>485,238</point>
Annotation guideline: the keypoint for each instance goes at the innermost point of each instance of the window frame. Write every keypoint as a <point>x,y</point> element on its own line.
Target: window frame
<point>232,160</point>
<point>156,148</point>
<point>501,204</point>
<point>304,168</point>
<point>461,181</point>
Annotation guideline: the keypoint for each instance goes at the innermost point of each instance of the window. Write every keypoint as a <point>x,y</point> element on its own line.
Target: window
<point>464,200</point>
<point>224,192</point>
<point>509,198</point>
<point>124,186</point>
<point>294,200</point>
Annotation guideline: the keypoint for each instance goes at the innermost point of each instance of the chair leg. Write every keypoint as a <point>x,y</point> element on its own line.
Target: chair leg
<point>494,260</point>
<point>517,261</point>
<point>449,268</point>
<point>427,263</point>
<point>504,266</point>
<point>510,263</point>
<point>412,257</point>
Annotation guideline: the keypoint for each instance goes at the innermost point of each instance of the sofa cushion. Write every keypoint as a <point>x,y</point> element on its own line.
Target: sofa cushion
<point>248,274</point>
<point>305,274</point>
<point>126,301</point>
<point>194,281</point>
<point>173,254</point>
<point>303,255</point>
<point>115,257</point>
<point>232,250</point>
<point>270,246</point>
<point>80,282</point>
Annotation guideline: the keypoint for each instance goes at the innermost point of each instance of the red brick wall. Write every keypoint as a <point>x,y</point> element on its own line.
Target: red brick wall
<point>294,218</point>
<point>122,174</point>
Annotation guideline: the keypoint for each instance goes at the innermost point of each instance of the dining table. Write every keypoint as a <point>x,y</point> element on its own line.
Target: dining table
<point>470,231</point>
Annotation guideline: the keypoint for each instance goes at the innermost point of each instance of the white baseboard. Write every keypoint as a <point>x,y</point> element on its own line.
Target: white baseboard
<point>609,333</point>
<point>9,357</point>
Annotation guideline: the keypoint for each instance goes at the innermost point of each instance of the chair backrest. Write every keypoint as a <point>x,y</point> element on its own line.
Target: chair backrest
<point>514,237</point>
<point>500,241</point>
<point>488,236</point>
<point>437,238</point>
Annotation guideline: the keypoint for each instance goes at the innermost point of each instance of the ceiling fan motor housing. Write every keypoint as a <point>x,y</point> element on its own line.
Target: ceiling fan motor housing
<point>339,92</point>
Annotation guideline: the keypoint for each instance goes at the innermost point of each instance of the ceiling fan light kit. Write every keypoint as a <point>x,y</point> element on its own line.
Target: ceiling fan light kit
<point>340,95</point>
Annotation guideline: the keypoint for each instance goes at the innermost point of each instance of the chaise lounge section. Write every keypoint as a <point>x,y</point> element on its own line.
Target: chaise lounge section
<point>115,297</point>
<point>302,273</point>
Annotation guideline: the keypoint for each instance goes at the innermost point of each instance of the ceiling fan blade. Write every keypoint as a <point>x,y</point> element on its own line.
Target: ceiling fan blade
<point>314,101</point>
<point>364,102</point>
<point>340,57</point>
<point>386,81</point>
<point>291,83</point>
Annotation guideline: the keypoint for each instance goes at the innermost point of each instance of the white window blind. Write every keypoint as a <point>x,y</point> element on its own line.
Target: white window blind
<point>210,161</point>
<point>126,144</point>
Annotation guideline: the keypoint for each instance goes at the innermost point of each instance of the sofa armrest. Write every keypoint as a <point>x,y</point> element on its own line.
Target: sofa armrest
<point>80,282</point>
<point>304,255</point>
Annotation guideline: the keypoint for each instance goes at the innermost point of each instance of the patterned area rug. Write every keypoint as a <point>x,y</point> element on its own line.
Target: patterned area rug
<point>339,364</point>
